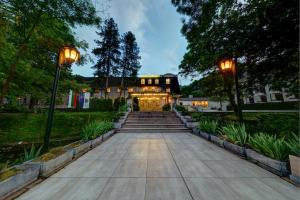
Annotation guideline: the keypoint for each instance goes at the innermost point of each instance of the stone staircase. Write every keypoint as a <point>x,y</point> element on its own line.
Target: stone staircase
<point>153,122</point>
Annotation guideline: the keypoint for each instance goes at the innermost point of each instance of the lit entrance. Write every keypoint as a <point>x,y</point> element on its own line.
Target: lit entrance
<point>151,101</point>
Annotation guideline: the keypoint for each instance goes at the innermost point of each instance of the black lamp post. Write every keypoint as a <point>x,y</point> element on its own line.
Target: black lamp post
<point>66,55</point>
<point>230,65</point>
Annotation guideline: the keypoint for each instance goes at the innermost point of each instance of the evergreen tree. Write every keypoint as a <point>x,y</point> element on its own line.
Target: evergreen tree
<point>108,52</point>
<point>130,63</point>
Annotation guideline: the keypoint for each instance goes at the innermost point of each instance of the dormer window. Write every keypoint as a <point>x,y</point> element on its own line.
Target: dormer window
<point>108,90</point>
<point>156,81</point>
<point>168,81</point>
<point>149,81</point>
<point>143,81</point>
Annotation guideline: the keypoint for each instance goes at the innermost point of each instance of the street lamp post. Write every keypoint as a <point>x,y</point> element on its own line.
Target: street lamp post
<point>230,65</point>
<point>66,55</point>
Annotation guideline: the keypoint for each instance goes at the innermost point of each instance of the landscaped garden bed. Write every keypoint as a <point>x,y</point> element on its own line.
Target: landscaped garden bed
<point>16,177</point>
<point>270,151</point>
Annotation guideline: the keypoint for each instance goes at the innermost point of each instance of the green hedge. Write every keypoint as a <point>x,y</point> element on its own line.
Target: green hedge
<point>272,106</point>
<point>102,105</point>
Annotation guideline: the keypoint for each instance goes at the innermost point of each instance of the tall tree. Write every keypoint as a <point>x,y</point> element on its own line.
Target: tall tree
<point>263,35</point>
<point>130,63</point>
<point>108,52</point>
<point>33,25</point>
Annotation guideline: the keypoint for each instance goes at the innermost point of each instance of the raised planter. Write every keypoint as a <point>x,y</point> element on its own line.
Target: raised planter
<point>235,148</point>
<point>204,135</point>
<point>195,130</point>
<point>277,167</point>
<point>217,140</point>
<point>191,124</point>
<point>295,168</point>
<point>49,166</point>
<point>24,175</point>
<point>82,148</point>
<point>108,134</point>
<point>97,141</point>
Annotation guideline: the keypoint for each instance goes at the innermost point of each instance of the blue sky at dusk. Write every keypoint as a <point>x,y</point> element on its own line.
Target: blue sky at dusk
<point>156,25</point>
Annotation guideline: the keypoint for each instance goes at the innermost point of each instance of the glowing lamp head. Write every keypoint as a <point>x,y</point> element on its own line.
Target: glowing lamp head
<point>227,64</point>
<point>68,55</point>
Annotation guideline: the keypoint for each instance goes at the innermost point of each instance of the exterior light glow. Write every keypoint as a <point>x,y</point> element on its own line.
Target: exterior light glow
<point>68,55</point>
<point>227,64</point>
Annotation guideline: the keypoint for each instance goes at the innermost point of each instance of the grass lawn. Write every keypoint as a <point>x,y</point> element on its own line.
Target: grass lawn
<point>281,124</point>
<point>30,127</point>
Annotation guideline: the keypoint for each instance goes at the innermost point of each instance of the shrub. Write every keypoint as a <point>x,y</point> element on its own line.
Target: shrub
<point>118,102</point>
<point>235,133</point>
<point>94,129</point>
<point>272,106</point>
<point>166,107</point>
<point>294,145</point>
<point>208,126</point>
<point>270,145</point>
<point>182,109</point>
<point>33,153</point>
<point>101,104</point>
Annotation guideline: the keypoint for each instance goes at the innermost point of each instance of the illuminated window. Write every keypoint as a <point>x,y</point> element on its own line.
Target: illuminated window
<point>168,90</point>
<point>157,81</point>
<point>168,81</point>
<point>130,89</point>
<point>200,103</point>
<point>143,81</point>
<point>108,90</point>
<point>119,90</point>
<point>149,81</point>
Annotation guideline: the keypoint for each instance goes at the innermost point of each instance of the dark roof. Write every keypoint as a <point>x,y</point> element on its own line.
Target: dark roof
<point>194,99</point>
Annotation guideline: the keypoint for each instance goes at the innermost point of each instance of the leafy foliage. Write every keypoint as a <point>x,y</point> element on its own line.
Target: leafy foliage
<point>166,107</point>
<point>32,153</point>
<point>94,129</point>
<point>294,145</point>
<point>32,34</point>
<point>101,104</point>
<point>182,109</point>
<point>270,145</point>
<point>208,126</point>
<point>266,33</point>
<point>235,133</point>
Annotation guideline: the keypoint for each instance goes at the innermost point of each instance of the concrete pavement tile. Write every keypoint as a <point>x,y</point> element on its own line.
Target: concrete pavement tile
<point>210,189</point>
<point>166,189</point>
<point>131,168</point>
<point>253,189</point>
<point>194,168</point>
<point>66,189</point>
<point>162,168</point>
<point>124,189</point>
<point>238,168</point>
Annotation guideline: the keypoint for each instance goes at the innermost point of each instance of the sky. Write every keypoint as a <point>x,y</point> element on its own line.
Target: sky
<point>156,25</point>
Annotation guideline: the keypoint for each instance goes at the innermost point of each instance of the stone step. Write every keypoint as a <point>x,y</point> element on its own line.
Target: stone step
<point>153,126</point>
<point>151,130</point>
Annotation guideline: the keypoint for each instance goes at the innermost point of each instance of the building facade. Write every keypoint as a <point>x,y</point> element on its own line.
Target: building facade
<point>151,92</point>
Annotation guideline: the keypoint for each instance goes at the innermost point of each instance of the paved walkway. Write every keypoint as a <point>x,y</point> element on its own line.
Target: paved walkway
<point>154,166</point>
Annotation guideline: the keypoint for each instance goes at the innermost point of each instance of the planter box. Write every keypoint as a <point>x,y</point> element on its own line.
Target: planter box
<point>295,168</point>
<point>217,140</point>
<point>277,167</point>
<point>192,124</point>
<point>235,148</point>
<point>195,131</point>
<point>204,135</point>
<point>27,175</point>
<point>48,167</point>
<point>108,134</point>
<point>81,149</point>
<point>97,141</point>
